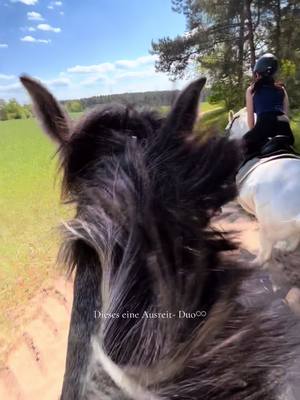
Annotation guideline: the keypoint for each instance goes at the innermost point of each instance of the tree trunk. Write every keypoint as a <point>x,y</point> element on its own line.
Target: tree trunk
<point>250,31</point>
<point>278,29</point>
<point>241,44</point>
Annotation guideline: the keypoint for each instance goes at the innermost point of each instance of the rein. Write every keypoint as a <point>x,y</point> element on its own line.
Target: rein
<point>227,131</point>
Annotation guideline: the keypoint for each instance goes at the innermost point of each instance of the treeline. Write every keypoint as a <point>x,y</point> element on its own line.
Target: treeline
<point>13,110</point>
<point>152,99</point>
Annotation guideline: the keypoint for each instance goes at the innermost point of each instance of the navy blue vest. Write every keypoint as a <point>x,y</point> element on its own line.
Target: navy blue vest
<point>268,99</point>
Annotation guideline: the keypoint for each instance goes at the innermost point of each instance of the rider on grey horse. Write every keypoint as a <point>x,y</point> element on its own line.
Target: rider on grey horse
<point>269,100</point>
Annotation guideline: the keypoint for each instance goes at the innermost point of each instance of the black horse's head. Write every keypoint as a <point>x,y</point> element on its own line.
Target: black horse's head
<point>148,263</point>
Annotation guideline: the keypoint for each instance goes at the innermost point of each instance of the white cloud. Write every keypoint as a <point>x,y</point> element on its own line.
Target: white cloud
<point>136,74</point>
<point>3,45</point>
<point>31,29</point>
<point>28,39</point>
<point>59,82</point>
<point>31,39</point>
<point>120,64</point>
<point>62,13</point>
<point>87,69</point>
<point>127,64</point>
<point>27,2</point>
<point>132,75</point>
<point>48,28</point>
<point>54,4</point>
<point>6,77</point>
<point>14,87</point>
<point>97,79</point>
<point>120,73</point>
<point>34,16</point>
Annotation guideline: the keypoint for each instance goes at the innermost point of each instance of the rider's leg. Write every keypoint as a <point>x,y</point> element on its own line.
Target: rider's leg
<point>252,140</point>
<point>258,136</point>
<point>284,128</point>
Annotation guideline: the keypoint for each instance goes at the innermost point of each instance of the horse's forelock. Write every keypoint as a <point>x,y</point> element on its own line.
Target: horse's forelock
<point>103,133</point>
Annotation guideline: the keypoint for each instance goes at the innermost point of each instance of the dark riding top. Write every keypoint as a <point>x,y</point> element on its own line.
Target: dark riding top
<point>268,103</point>
<point>269,98</point>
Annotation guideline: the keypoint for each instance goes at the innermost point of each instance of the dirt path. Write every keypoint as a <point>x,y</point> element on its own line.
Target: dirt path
<point>35,366</point>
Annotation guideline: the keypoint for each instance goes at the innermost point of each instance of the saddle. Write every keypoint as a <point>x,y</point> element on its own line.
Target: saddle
<point>278,144</point>
<point>277,147</point>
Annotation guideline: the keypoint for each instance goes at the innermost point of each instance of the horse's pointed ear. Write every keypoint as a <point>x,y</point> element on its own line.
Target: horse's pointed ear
<point>230,116</point>
<point>184,112</point>
<point>54,120</point>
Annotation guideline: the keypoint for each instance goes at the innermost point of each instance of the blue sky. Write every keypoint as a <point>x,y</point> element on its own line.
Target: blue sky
<point>83,47</point>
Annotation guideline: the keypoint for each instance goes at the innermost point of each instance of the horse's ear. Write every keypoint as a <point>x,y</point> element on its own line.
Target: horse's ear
<point>230,116</point>
<point>54,120</point>
<point>184,112</point>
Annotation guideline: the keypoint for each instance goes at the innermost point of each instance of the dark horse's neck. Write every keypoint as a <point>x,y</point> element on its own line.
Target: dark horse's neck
<point>83,325</point>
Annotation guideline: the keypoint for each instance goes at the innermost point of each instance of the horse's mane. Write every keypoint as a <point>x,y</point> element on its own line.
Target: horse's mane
<point>142,242</point>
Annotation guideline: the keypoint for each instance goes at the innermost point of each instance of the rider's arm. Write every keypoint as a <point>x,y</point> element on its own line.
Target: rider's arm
<point>285,102</point>
<point>249,105</point>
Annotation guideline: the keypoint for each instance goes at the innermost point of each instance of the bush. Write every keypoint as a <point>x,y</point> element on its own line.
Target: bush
<point>13,110</point>
<point>74,106</point>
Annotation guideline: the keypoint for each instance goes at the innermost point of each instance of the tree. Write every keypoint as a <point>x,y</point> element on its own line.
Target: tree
<point>224,38</point>
<point>216,41</point>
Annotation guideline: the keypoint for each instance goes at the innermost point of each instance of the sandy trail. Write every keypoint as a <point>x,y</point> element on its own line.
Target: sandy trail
<point>35,365</point>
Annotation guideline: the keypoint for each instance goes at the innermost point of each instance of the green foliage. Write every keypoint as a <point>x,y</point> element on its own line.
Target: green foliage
<point>226,90</point>
<point>74,106</point>
<point>229,90</point>
<point>287,69</point>
<point>13,110</point>
<point>295,124</point>
<point>2,110</point>
<point>290,75</point>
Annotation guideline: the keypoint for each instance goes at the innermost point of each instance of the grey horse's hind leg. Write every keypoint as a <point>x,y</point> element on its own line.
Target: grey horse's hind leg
<point>265,249</point>
<point>289,245</point>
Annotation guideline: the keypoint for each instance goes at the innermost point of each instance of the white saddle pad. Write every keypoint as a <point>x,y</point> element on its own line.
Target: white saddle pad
<point>250,165</point>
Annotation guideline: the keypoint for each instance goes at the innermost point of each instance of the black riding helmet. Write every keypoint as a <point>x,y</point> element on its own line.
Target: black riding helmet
<point>266,65</point>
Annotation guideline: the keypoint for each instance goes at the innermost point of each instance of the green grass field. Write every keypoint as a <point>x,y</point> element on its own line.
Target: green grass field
<point>30,211</point>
